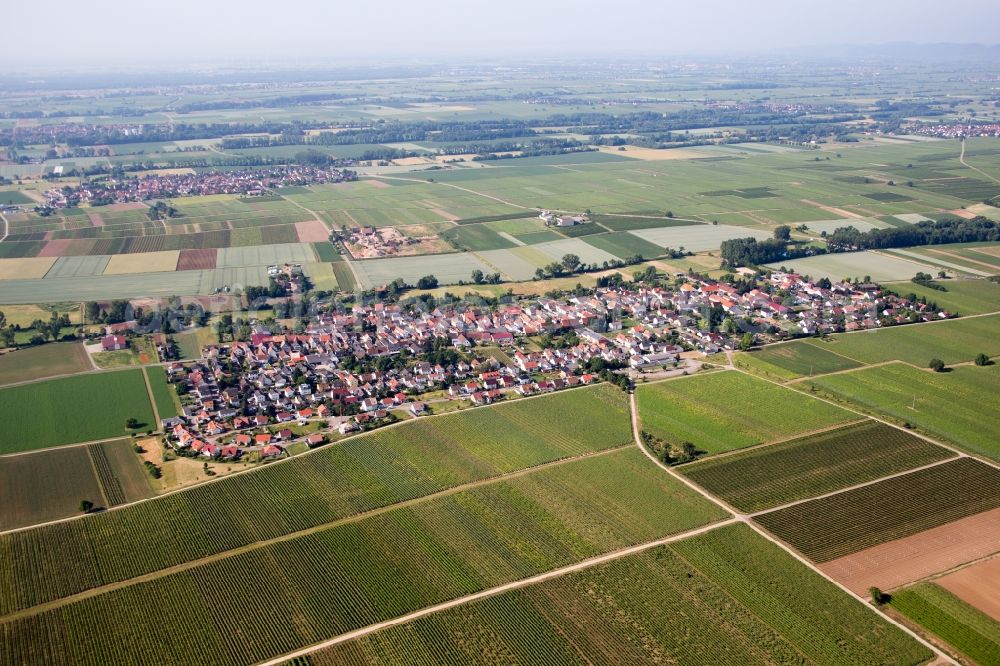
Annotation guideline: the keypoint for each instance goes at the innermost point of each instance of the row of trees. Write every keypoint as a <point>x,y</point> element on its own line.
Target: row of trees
<point>949,230</point>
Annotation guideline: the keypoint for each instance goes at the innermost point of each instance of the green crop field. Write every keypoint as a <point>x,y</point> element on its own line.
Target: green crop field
<point>966,629</point>
<point>964,297</point>
<point>623,245</point>
<point>72,409</point>
<point>389,563</point>
<point>727,596</point>
<point>326,252</point>
<point>951,341</point>
<point>831,527</point>
<point>729,410</point>
<point>46,485</point>
<point>881,267</point>
<point>43,361</point>
<point>164,395</point>
<point>771,475</point>
<point>947,405</point>
<point>794,359</point>
<point>618,223</point>
<point>359,474</point>
<point>475,237</point>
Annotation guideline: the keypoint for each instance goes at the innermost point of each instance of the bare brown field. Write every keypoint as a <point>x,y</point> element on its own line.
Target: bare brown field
<point>55,248</point>
<point>412,161</point>
<point>903,561</point>
<point>654,154</point>
<point>29,267</point>
<point>961,212</point>
<point>143,262</point>
<point>992,251</point>
<point>311,231</point>
<point>830,209</point>
<point>95,219</point>
<point>977,585</point>
<point>189,260</point>
<point>375,182</point>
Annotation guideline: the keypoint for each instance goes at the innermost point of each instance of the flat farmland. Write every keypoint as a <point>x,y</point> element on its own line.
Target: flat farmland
<point>964,297</point>
<point>949,405</point>
<point>46,485</point>
<point>963,627</point>
<point>727,596</point>
<point>771,475</point>
<point>321,275</point>
<point>392,562</point>
<point>624,245</point>
<point>62,358</point>
<point>893,564</point>
<point>75,267</point>
<point>265,255</point>
<point>476,237</point>
<point>730,410</point>
<point>72,409</point>
<point>447,268</point>
<point>879,266</point>
<point>188,260</point>
<point>509,264</point>
<point>164,395</point>
<point>360,474</point>
<point>795,359</point>
<point>143,262</point>
<point>556,250</point>
<point>831,527</point>
<point>952,341</point>
<point>697,237</point>
<point>119,471</point>
<point>30,267</point>
<point>977,585</point>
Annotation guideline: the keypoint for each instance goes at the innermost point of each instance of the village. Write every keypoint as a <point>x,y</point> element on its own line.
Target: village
<point>373,364</point>
<point>245,182</point>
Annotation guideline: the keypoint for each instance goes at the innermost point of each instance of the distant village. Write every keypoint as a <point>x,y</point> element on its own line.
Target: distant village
<point>952,130</point>
<point>244,182</point>
<point>361,368</point>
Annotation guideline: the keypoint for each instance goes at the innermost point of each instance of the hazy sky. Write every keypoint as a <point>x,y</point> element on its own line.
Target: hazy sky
<point>93,31</point>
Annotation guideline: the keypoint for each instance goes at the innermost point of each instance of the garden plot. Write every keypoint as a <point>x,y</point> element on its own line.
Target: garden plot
<point>697,238</point>
<point>877,265</point>
<point>265,255</point>
<point>447,268</point>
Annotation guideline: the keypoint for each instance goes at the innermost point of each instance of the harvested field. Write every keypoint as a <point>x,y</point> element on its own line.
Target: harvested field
<point>831,527</point>
<point>25,268</point>
<point>312,231</point>
<point>907,560</point>
<point>697,237</point>
<point>63,358</point>
<point>75,267</point>
<point>880,266</point>
<point>979,584</point>
<point>813,465</point>
<point>142,262</point>
<point>189,260</point>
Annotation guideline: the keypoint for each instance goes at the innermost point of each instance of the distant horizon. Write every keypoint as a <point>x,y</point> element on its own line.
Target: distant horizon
<point>111,33</point>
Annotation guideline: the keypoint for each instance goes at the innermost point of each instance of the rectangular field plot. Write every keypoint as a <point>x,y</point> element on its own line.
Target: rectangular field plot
<point>957,406</point>
<point>793,359</point>
<point>72,409</point>
<point>265,255</point>
<point>387,564</point>
<point>727,596</point>
<point>447,268</point>
<point>556,250</point>
<point>780,473</point>
<point>829,226</point>
<point>509,264</point>
<point>697,237</point>
<point>624,245</point>
<point>24,268</point>
<point>74,267</point>
<point>64,358</point>
<point>729,410</point>
<point>189,260</point>
<point>142,262</point>
<point>46,485</point>
<point>357,475</point>
<point>834,526</point>
<point>951,341</point>
<point>879,266</point>
<point>962,626</point>
<point>476,237</point>
<point>99,287</point>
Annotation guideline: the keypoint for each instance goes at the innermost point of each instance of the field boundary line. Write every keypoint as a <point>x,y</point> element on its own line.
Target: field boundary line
<point>744,518</point>
<point>930,578</point>
<point>863,484</point>
<point>152,399</point>
<point>257,545</point>
<point>500,589</point>
<point>53,448</point>
<point>97,476</point>
<point>961,158</point>
<point>457,187</point>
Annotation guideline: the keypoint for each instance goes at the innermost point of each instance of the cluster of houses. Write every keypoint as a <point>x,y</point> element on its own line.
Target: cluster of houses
<point>245,182</point>
<point>245,395</point>
<point>553,220</point>
<point>952,130</point>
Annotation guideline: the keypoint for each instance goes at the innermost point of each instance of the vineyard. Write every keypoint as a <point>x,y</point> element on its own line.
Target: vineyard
<point>290,593</point>
<point>729,410</point>
<point>827,528</point>
<point>360,474</point>
<point>112,488</point>
<point>781,473</point>
<point>796,359</point>
<point>967,629</point>
<point>724,597</point>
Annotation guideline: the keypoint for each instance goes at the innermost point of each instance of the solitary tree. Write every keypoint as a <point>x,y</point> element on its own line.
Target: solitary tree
<point>982,359</point>
<point>571,262</point>
<point>878,596</point>
<point>427,282</point>
<point>784,232</point>
<point>132,423</point>
<point>86,506</point>
<point>936,364</point>
<point>747,341</point>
